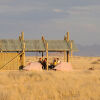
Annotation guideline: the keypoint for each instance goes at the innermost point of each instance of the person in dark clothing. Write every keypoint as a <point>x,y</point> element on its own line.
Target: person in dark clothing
<point>44,63</point>
<point>40,61</point>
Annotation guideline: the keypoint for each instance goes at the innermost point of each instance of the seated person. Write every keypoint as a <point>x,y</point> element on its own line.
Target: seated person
<point>53,64</point>
<point>44,63</point>
<point>58,61</point>
<point>40,60</point>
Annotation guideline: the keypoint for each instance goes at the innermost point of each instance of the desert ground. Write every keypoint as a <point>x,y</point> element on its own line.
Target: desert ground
<point>79,84</point>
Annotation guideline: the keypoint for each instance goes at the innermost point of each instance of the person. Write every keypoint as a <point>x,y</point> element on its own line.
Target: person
<point>53,64</point>
<point>40,60</point>
<point>58,61</point>
<point>44,63</point>
<point>55,61</point>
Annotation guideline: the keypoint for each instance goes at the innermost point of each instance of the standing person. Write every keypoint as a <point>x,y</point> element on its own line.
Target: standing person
<point>44,63</point>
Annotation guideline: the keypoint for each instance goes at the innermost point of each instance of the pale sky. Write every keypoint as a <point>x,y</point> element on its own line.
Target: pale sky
<point>52,18</point>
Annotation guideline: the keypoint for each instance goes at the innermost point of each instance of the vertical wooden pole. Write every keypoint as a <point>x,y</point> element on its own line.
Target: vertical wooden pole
<point>71,49</point>
<point>47,54</point>
<point>65,56</point>
<point>64,37</point>
<point>22,36</point>
<point>67,36</point>
<point>0,47</point>
<point>67,51</point>
<point>23,55</point>
<point>42,55</point>
<point>43,39</point>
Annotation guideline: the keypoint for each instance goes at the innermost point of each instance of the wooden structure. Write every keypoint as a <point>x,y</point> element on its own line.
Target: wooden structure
<point>9,61</point>
<point>13,51</point>
<point>12,55</point>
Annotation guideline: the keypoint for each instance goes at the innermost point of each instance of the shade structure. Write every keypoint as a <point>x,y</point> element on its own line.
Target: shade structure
<point>21,46</point>
<point>57,45</point>
<point>34,45</point>
<point>74,47</point>
<point>10,45</point>
<point>37,45</point>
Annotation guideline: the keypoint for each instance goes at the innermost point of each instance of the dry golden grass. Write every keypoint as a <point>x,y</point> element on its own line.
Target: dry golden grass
<point>80,84</point>
<point>75,85</point>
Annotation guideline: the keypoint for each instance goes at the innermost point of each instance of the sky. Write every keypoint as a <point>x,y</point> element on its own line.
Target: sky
<point>51,18</point>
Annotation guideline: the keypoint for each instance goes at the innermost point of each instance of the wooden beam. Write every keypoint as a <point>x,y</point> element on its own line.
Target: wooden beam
<point>67,56</point>
<point>67,51</point>
<point>47,54</point>
<point>23,55</point>
<point>0,47</point>
<point>67,36</point>
<point>42,55</point>
<point>19,37</point>
<point>71,49</point>
<point>43,39</point>
<point>34,50</point>
<point>22,36</point>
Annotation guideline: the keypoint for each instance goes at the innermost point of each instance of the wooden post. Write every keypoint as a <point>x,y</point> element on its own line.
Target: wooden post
<point>20,38</point>
<point>42,55</point>
<point>22,35</point>
<point>67,36</point>
<point>67,51</point>
<point>23,55</point>
<point>67,56</point>
<point>71,49</point>
<point>0,47</point>
<point>64,56</point>
<point>64,37</point>
<point>43,39</point>
<point>47,54</point>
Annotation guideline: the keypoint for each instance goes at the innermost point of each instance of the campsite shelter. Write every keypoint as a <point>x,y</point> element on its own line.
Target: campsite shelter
<point>12,55</point>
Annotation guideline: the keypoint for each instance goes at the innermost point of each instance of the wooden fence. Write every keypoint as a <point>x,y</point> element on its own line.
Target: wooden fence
<point>9,61</point>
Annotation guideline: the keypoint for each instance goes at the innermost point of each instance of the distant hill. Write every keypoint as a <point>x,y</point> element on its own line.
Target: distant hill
<point>93,50</point>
